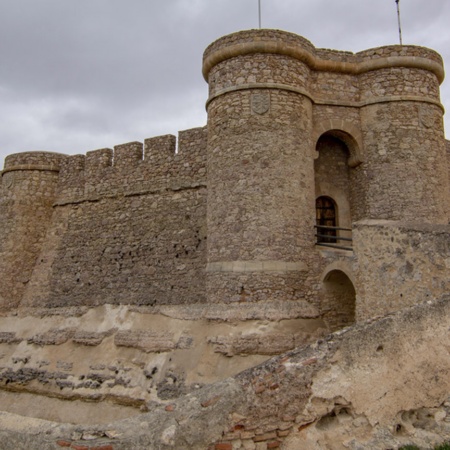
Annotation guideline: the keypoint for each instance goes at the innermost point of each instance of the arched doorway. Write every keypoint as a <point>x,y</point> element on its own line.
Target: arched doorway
<point>338,300</point>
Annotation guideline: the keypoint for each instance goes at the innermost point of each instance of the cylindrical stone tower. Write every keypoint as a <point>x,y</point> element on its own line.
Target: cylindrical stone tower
<point>260,166</point>
<point>28,191</point>
<point>402,126</point>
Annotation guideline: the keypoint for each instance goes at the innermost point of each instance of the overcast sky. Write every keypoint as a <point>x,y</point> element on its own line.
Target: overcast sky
<point>77,75</point>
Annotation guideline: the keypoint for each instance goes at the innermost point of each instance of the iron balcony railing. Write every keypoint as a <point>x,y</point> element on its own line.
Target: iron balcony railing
<point>333,240</point>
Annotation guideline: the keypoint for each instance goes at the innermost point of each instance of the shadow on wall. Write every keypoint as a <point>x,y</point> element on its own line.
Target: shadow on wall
<point>338,300</point>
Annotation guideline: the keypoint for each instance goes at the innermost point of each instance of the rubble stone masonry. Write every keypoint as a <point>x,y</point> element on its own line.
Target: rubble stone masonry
<point>144,287</point>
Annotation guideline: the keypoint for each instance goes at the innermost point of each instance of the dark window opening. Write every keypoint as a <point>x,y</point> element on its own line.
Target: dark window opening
<point>326,217</point>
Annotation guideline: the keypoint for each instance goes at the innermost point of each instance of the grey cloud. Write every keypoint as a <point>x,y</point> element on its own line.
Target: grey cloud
<point>78,75</point>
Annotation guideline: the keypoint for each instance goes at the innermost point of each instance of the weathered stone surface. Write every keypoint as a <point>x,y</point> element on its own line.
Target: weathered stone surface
<point>311,392</point>
<point>400,264</point>
<point>9,337</point>
<point>258,344</point>
<point>148,341</point>
<point>91,337</point>
<point>52,337</point>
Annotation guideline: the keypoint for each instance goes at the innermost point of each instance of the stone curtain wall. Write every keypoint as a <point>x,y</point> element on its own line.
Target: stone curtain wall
<point>127,230</point>
<point>399,264</point>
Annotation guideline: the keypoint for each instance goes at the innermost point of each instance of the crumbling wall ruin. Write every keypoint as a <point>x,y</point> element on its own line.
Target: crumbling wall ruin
<point>379,384</point>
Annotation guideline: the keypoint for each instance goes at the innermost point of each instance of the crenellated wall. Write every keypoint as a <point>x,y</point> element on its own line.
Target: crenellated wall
<point>128,227</point>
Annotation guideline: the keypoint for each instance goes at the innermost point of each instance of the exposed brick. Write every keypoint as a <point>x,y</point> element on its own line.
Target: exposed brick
<point>265,437</point>
<point>103,447</point>
<point>79,447</point>
<point>210,402</point>
<point>170,408</point>
<point>273,444</point>
<point>64,443</point>
<point>224,446</point>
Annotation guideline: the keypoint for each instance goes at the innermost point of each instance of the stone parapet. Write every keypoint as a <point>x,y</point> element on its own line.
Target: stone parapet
<point>287,46</point>
<point>34,161</point>
<point>134,168</point>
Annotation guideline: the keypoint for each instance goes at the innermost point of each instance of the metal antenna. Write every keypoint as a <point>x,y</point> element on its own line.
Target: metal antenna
<point>399,23</point>
<point>259,13</point>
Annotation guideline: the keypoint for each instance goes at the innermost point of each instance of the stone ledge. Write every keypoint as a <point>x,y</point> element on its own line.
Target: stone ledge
<point>54,336</point>
<point>91,338</point>
<point>256,266</point>
<point>272,310</point>
<point>9,337</point>
<point>148,341</point>
<point>325,101</point>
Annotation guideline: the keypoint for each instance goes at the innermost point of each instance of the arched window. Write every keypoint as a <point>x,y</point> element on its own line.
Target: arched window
<point>326,217</point>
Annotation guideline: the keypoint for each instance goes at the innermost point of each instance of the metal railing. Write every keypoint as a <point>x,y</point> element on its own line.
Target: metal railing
<point>332,241</point>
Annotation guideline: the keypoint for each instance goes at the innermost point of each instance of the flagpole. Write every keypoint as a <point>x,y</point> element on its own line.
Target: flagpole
<point>259,13</point>
<point>399,23</point>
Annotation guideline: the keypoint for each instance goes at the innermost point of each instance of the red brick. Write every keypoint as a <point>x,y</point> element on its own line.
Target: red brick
<point>103,447</point>
<point>64,443</point>
<point>79,447</point>
<point>211,401</point>
<point>224,446</point>
<point>265,437</point>
<point>169,407</point>
<point>273,444</point>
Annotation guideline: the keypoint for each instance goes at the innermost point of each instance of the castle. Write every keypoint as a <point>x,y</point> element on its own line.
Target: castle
<point>139,278</point>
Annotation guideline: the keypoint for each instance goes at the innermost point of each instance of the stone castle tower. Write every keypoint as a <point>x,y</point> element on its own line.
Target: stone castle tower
<point>289,124</point>
<point>316,196</point>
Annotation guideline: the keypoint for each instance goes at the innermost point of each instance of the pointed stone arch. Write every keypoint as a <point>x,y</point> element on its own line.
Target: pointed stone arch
<point>347,132</point>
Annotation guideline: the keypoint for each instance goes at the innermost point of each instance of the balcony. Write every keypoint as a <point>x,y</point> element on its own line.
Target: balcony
<point>334,237</point>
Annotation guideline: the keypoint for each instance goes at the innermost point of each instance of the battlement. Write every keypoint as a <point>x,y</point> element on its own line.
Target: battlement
<point>297,47</point>
<point>258,59</point>
<point>136,167</point>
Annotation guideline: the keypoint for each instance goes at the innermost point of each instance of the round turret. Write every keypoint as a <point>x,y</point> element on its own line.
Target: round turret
<point>29,182</point>
<point>260,166</point>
